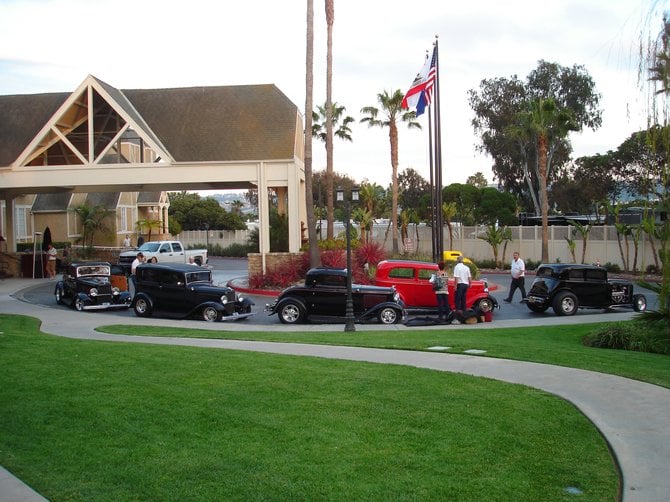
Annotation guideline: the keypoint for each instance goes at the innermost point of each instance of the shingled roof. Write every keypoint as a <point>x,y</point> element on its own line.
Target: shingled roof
<point>195,124</point>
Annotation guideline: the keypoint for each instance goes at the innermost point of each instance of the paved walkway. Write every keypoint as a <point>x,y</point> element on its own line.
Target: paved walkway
<point>632,416</point>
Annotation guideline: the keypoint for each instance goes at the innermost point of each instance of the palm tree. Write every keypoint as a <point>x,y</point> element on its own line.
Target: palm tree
<point>330,19</point>
<point>544,125</point>
<point>314,255</point>
<point>92,221</point>
<point>320,130</point>
<point>393,112</point>
<point>448,213</point>
<point>148,224</point>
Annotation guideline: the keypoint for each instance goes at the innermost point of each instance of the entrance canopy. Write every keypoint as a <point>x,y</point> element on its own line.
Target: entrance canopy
<point>102,139</point>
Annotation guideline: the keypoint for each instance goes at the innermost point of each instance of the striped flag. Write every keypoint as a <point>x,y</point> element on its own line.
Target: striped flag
<point>420,93</point>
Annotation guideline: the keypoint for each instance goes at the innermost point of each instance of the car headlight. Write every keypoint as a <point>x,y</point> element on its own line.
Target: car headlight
<point>116,290</point>
<point>396,297</point>
<point>224,299</point>
<point>93,292</point>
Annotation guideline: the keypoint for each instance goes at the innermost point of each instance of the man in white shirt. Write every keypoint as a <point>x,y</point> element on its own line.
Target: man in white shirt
<point>518,272</point>
<point>463,277</point>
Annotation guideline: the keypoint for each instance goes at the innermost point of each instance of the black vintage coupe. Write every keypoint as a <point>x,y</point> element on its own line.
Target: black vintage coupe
<point>323,298</point>
<point>566,287</point>
<point>183,291</point>
<point>88,286</point>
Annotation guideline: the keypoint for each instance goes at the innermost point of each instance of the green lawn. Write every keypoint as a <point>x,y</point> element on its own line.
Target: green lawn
<point>87,420</point>
<point>560,345</point>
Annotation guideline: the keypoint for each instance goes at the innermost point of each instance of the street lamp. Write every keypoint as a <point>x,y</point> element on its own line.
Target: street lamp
<point>349,308</point>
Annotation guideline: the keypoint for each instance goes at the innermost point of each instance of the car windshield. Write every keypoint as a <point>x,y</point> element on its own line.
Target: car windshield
<point>149,247</point>
<point>90,270</point>
<point>200,276</point>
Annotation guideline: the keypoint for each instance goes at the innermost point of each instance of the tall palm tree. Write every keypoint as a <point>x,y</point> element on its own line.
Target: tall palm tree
<point>314,255</point>
<point>330,19</point>
<point>544,124</point>
<point>320,130</point>
<point>393,113</point>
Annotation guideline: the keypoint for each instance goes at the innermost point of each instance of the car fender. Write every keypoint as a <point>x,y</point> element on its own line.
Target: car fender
<point>196,310</point>
<point>287,299</point>
<point>372,312</point>
<point>144,296</point>
<point>246,302</point>
<point>124,297</point>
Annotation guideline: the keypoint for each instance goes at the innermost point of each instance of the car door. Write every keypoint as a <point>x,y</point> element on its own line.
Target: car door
<point>329,294</point>
<point>174,296</point>
<point>595,291</point>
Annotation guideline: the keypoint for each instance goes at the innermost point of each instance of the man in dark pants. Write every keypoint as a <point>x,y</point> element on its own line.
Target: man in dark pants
<point>518,278</point>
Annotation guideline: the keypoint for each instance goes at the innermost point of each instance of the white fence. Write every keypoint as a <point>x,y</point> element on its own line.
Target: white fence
<point>602,245</point>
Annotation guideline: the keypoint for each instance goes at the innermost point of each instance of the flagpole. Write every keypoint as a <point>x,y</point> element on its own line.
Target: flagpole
<point>438,156</point>
<point>433,201</point>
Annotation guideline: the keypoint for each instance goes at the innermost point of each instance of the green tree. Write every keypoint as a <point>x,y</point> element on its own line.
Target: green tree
<point>391,113</point>
<point>195,213</point>
<point>495,236</point>
<point>320,130</point>
<point>500,102</point>
<point>149,225</point>
<point>93,221</point>
<point>583,231</point>
<point>414,192</point>
<point>543,127</point>
<point>466,198</point>
<point>478,179</point>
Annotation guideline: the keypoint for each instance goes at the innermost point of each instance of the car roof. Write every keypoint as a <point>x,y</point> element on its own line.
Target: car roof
<point>176,267</point>
<point>564,266</point>
<point>89,263</point>
<point>413,263</point>
<point>326,270</point>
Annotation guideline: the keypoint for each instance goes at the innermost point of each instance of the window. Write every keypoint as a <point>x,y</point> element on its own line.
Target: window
<point>176,247</point>
<point>576,275</point>
<point>21,221</point>
<point>425,273</point>
<point>402,273</point>
<point>123,223</point>
<point>595,275</point>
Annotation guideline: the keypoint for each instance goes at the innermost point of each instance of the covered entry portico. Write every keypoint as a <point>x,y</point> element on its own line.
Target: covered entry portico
<point>101,139</point>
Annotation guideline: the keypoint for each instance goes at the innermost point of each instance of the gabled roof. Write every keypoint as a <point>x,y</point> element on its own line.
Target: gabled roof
<point>51,202</point>
<point>194,124</point>
<point>109,200</point>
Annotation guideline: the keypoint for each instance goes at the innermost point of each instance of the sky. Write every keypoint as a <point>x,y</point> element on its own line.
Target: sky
<point>52,45</point>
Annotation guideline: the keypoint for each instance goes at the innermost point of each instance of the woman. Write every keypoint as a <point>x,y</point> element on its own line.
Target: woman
<point>441,287</point>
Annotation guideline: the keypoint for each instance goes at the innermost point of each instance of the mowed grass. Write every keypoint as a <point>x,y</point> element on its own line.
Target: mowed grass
<point>559,345</point>
<point>88,420</point>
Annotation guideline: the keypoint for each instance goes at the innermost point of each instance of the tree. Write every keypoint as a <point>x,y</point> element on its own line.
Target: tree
<point>393,113</point>
<point>312,238</point>
<point>448,213</point>
<point>543,127</point>
<point>498,106</point>
<point>495,236</point>
<point>583,231</point>
<point>477,180</point>
<point>92,221</point>
<point>330,19</point>
<point>148,224</point>
<point>466,198</point>
<point>195,213</point>
<point>320,130</point>
<point>414,192</point>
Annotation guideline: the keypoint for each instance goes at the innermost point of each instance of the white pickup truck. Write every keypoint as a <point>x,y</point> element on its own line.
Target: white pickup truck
<point>165,252</point>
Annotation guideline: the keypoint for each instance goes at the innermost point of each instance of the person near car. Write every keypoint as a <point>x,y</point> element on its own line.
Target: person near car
<point>442,294</point>
<point>51,261</point>
<point>518,271</point>
<point>463,278</point>
<point>139,259</point>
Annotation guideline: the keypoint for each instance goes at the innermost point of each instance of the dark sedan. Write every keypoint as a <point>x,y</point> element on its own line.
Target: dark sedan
<point>183,291</point>
<point>323,298</point>
<point>88,286</point>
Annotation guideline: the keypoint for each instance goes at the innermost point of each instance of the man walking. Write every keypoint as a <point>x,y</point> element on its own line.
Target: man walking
<point>518,278</point>
<point>463,277</point>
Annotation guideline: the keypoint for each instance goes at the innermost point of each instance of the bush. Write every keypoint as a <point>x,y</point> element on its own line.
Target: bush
<point>639,337</point>
<point>488,264</point>
<point>612,267</point>
<point>532,264</point>
<point>371,253</point>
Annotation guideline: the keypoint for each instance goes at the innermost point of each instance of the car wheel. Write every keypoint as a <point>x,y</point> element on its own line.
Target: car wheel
<point>639,303</point>
<point>210,314</point>
<point>59,296</point>
<point>388,315</point>
<point>291,313</point>
<point>538,309</point>
<point>142,308</point>
<point>565,303</point>
<point>79,305</point>
<point>484,305</point>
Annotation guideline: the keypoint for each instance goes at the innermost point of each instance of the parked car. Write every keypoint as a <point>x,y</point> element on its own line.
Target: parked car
<point>323,298</point>
<point>453,255</point>
<point>88,286</point>
<point>165,252</point>
<point>183,291</point>
<point>411,280</point>
<point>567,287</point>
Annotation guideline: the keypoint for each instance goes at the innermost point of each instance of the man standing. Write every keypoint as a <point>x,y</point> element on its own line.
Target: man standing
<point>463,277</point>
<point>518,281</point>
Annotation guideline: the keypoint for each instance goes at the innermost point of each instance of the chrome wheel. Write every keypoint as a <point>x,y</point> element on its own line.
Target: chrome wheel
<point>290,313</point>
<point>142,308</point>
<point>388,315</point>
<point>79,304</point>
<point>210,314</point>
